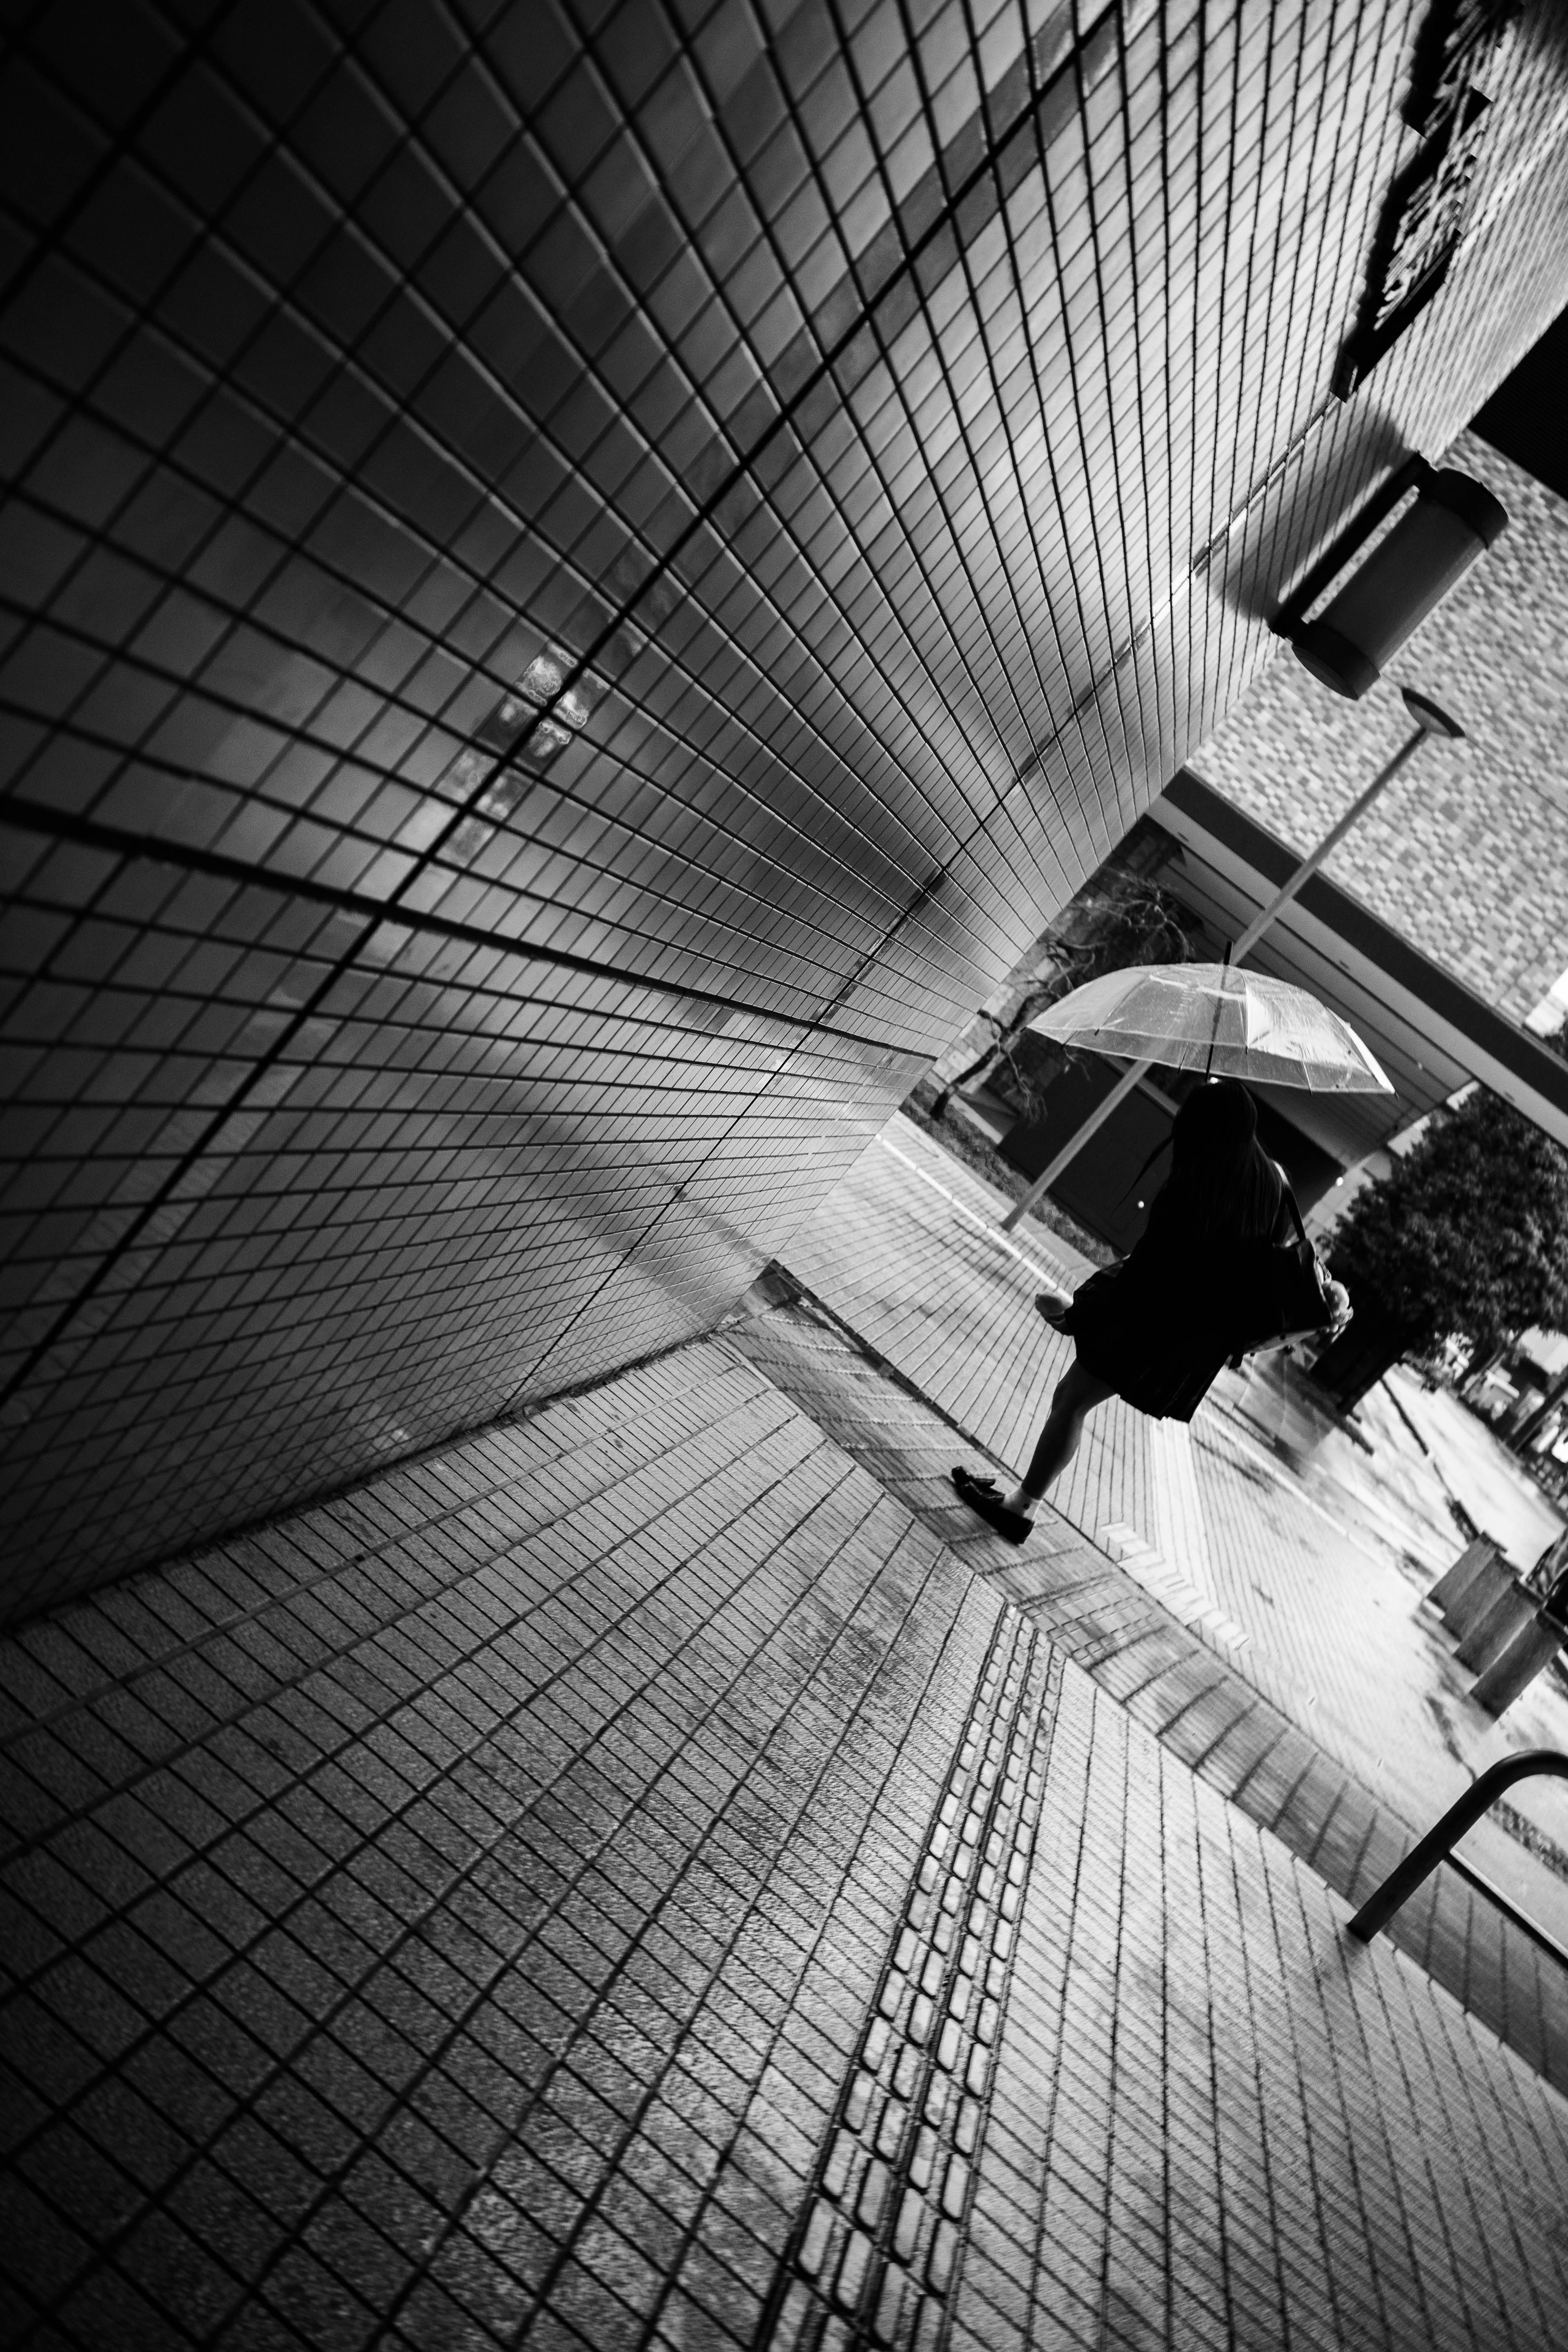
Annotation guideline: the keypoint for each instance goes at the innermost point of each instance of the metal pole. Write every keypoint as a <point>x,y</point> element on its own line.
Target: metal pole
<point>1425,1856</point>
<point>1249,939</point>
<point>1331,841</point>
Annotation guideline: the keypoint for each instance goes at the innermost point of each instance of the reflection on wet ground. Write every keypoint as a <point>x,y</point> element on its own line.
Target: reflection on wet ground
<point>1316,1541</point>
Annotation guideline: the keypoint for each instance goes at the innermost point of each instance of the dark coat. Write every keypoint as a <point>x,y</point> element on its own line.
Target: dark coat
<point>1158,1327</point>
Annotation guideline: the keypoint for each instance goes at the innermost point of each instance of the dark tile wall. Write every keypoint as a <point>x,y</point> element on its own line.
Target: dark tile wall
<point>578,582</point>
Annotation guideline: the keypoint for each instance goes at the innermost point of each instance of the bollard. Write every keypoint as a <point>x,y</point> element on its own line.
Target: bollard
<point>1493,1577</point>
<point>1517,1663</point>
<point>1514,1607</point>
<point>1456,1581</point>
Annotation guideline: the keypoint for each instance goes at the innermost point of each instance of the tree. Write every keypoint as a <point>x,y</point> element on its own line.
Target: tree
<point>1466,1237</point>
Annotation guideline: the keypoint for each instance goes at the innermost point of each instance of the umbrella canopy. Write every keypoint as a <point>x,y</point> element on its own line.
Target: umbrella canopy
<point>1234,1024</point>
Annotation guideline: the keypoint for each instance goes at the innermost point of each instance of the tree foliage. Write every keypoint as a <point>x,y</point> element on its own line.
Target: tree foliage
<point>1468,1234</point>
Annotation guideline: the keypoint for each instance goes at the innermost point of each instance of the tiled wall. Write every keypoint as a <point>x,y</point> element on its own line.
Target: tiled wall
<point>578,585</point>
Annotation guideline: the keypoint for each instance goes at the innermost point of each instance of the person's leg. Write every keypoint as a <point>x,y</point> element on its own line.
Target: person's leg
<point>1078,1393</point>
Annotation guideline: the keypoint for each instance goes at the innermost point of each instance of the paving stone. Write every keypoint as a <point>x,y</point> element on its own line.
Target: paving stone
<point>539,1968</point>
<point>906,1204</point>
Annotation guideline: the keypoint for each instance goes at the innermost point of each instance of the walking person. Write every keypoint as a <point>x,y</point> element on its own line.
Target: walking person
<point>1157,1328</point>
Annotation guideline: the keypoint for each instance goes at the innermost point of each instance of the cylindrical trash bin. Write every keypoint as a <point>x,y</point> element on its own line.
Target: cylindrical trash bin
<point>1491,1581</point>
<point>1458,1579</point>
<point>1513,1609</point>
<point>1454,520</point>
<point>1517,1663</point>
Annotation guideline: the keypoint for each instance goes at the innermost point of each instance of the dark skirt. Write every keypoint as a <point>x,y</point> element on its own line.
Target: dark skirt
<point>1149,1332</point>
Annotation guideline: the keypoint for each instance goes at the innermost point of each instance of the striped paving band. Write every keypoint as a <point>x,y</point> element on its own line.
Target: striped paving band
<point>876,2246</point>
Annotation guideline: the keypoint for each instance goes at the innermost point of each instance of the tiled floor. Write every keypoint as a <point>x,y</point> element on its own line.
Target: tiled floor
<point>561,1893</point>
<point>1321,1574</point>
<point>1184,1689</point>
<point>1224,2124</point>
<point>410,1905</point>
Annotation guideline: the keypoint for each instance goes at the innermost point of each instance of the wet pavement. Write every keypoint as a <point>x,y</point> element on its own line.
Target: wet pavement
<point>1465,1460</point>
<point>1301,1553</point>
<point>658,1873</point>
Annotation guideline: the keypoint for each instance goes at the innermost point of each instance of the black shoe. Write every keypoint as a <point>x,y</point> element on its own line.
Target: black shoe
<point>984,1496</point>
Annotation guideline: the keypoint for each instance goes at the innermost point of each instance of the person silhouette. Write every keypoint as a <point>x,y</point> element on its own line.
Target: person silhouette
<point>1157,1328</point>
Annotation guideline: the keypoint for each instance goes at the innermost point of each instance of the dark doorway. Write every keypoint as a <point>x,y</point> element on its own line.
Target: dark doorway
<point>1310,1168</point>
<point>1102,1187</point>
<point>1524,417</point>
<point>1107,1187</point>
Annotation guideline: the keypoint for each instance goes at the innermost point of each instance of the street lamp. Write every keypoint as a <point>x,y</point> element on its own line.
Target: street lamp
<point>1431,547</point>
<point>1430,720</point>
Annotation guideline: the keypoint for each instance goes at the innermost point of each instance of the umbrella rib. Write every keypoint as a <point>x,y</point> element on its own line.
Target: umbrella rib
<point>1147,1013</point>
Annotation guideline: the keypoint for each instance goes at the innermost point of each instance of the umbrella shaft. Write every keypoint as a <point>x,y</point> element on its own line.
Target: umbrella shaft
<point>1249,939</point>
<point>1077,1140</point>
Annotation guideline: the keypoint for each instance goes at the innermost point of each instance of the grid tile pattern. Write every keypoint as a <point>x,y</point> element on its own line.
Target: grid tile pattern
<point>880,2236</point>
<point>405,1908</point>
<point>513,505</point>
<point>907,1381</point>
<point>460,1916</point>
<point>1249,2132</point>
<point>419,1214</point>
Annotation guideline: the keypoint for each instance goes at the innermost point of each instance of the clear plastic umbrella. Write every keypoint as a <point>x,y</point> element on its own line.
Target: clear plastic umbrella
<point>1213,1017</point>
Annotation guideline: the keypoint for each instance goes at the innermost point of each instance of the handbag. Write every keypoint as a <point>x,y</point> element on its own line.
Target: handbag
<point>1281,1290</point>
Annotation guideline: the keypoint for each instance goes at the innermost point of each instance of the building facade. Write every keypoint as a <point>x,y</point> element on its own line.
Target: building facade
<point>578,587</point>
<point>1467,855</point>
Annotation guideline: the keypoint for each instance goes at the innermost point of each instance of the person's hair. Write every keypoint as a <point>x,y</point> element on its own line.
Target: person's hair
<point>1221,1186</point>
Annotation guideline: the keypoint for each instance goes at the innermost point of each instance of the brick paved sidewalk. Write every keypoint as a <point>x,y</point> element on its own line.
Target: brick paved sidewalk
<point>627,1879</point>
<point>1184,1691</point>
<point>1301,1582</point>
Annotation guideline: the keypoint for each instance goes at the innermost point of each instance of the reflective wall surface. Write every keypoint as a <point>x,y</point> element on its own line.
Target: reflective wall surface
<point>578,582</point>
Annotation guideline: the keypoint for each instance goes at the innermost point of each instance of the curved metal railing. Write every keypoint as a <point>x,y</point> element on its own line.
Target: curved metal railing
<point>1425,1856</point>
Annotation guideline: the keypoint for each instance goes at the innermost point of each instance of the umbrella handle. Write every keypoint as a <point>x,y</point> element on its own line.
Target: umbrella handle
<point>1218,1007</point>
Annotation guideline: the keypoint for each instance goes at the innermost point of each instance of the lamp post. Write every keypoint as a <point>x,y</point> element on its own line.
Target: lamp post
<point>1451,525</point>
<point>1430,720</point>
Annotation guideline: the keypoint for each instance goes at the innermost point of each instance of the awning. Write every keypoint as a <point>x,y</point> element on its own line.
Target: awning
<point>1431,1033</point>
